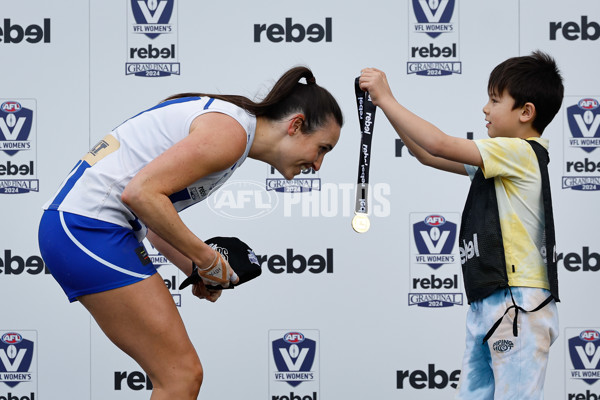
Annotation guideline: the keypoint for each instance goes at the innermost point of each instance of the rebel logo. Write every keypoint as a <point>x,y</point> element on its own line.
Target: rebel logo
<point>584,351</point>
<point>152,39</point>
<point>15,33</point>
<point>16,265</point>
<point>294,32</point>
<point>298,263</point>
<point>585,261</point>
<point>582,138</point>
<point>434,238</point>
<point>135,380</point>
<point>430,379</point>
<point>17,145</point>
<point>571,30</point>
<point>433,20</point>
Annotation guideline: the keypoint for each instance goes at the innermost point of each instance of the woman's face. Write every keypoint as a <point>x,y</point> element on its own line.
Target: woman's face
<point>304,151</point>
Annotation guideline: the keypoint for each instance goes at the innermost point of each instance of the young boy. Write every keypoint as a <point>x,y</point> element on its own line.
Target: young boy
<point>507,226</point>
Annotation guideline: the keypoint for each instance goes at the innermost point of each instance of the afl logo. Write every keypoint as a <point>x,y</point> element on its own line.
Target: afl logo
<point>10,106</point>
<point>435,220</point>
<point>589,335</point>
<point>588,104</point>
<point>293,337</point>
<point>12,338</point>
<point>242,200</point>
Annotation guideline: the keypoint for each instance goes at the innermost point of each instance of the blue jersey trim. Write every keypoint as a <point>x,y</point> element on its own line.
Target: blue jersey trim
<point>76,173</point>
<point>180,196</point>
<point>167,103</point>
<point>208,103</point>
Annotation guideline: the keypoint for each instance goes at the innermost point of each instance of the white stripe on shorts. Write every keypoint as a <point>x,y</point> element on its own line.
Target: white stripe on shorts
<point>94,256</point>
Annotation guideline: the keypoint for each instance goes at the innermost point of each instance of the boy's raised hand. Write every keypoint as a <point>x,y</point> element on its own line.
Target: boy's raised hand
<point>375,82</point>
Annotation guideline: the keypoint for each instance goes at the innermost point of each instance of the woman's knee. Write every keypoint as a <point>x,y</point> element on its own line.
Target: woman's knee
<point>195,374</point>
<point>184,381</point>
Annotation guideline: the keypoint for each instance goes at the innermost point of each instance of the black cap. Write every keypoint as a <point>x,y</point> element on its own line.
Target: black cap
<point>239,256</point>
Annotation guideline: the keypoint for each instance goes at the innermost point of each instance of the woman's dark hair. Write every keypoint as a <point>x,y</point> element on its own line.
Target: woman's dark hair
<point>534,78</point>
<point>288,96</point>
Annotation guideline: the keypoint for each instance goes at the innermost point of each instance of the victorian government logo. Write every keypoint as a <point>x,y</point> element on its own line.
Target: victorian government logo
<point>582,161</point>
<point>18,172</point>
<point>433,38</point>
<point>584,353</point>
<point>152,39</point>
<point>18,360</point>
<point>294,362</point>
<point>433,244</point>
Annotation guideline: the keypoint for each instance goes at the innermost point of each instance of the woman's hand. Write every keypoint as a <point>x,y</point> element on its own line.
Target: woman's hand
<point>219,272</point>
<point>202,292</point>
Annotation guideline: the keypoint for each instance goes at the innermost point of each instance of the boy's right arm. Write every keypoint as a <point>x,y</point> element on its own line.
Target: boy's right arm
<point>430,145</point>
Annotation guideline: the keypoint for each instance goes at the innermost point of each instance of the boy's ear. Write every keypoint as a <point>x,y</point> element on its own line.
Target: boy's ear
<point>527,112</point>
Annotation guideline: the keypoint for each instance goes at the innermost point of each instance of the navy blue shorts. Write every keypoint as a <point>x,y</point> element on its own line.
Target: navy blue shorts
<point>86,255</point>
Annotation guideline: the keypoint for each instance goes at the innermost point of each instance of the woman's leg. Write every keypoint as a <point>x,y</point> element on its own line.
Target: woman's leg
<point>143,321</point>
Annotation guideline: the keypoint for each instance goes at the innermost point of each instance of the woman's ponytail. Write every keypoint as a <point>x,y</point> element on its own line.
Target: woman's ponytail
<point>289,96</point>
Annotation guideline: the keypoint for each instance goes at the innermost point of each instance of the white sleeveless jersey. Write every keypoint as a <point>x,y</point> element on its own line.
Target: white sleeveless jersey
<point>94,186</point>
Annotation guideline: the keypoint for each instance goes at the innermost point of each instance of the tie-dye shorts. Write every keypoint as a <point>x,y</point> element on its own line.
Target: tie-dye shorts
<point>508,367</point>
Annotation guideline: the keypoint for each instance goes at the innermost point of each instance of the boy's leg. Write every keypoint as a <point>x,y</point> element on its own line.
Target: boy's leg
<point>476,377</point>
<point>520,362</point>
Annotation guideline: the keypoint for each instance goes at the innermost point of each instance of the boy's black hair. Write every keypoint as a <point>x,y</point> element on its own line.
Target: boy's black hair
<point>530,79</point>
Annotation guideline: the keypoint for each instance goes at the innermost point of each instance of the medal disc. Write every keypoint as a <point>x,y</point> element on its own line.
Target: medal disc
<point>360,223</point>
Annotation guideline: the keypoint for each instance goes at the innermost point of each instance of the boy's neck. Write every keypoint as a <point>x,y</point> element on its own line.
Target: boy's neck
<point>525,132</point>
<point>528,133</point>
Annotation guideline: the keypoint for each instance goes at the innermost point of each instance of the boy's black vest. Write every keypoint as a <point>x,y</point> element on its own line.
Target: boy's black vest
<point>482,248</point>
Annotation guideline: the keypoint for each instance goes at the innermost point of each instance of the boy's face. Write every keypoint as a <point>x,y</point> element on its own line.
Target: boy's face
<point>502,119</point>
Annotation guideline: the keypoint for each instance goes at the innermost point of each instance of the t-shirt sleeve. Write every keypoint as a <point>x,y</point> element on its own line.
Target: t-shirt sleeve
<point>505,157</point>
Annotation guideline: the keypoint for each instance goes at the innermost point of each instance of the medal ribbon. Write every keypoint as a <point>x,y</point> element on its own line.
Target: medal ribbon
<point>366,118</point>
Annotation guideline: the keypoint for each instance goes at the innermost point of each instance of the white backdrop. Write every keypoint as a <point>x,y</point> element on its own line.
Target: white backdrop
<point>65,72</point>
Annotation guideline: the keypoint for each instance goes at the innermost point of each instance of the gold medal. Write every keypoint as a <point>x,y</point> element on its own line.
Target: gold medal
<point>361,223</point>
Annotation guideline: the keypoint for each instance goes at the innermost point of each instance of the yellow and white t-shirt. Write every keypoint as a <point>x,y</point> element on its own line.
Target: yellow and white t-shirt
<point>514,166</point>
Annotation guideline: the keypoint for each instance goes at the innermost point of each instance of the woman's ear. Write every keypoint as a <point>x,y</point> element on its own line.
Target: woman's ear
<point>295,125</point>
